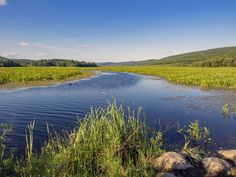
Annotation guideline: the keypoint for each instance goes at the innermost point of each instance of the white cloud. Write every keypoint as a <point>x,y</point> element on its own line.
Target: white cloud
<point>41,54</point>
<point>177,52</point>
<point>8,54</point>
<point>3,2</point>
<point>24,44</point>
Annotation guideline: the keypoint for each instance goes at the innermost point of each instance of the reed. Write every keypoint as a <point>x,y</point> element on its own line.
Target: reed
<point>107,142</point>
<point>110,141</point>
<point>29,139</point>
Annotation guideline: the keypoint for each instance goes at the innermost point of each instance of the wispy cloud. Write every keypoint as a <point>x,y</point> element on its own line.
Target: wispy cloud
<point>41,54</point>
<point>55,47</point>
<point>25,44</point>
<point>8,54</point>
<point>69,49</point>
<point>177,52</point>
<point>3,2</point>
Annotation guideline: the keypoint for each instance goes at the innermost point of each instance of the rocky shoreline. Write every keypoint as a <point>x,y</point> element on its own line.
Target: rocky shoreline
<point>173,164</point>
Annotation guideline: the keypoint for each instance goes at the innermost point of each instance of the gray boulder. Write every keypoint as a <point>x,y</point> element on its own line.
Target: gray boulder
<point>228,154</point>
<point>171,161</point>
<point>215,166</point>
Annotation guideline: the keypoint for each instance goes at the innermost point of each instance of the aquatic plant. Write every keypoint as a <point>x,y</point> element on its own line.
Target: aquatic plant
<point>5,129</point>
<point>29,142</point>
<point>220,77</point>
<point>226,109</point>
<point>6,164</point>
<point>195,137</point>
<point>31,74</point>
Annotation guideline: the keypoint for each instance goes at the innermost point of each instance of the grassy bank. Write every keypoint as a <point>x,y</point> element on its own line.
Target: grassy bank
<point>220,77</point>
<point>107,142</point>
<point>32,76</point>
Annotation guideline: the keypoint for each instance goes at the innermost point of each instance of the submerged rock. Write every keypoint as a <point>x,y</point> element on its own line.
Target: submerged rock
<point>171,161</point>
<point>215,166</point>
<point>228,154</point>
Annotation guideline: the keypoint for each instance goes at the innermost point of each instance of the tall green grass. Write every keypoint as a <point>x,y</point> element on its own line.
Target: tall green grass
<point>220,77</point>
<point>25,75</point>
<point>6,164</point>
<point>107,142</point>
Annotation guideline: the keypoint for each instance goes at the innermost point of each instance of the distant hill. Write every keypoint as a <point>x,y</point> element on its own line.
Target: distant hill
<point>213,57</point>
<point>5,62</point>
<point>116,63</point>
<point>225,56</point>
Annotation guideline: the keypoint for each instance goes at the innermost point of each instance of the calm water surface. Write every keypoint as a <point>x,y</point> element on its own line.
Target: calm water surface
<point>61,105</point>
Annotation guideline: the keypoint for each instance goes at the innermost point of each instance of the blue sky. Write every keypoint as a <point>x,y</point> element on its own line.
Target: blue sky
<point>114,30</point>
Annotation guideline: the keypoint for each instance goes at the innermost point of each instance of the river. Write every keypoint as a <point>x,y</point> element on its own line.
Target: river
<point>61,105</point>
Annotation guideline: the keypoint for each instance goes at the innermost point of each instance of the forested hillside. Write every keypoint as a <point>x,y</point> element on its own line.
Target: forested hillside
<point>214,57</point>
<point>210,58</point>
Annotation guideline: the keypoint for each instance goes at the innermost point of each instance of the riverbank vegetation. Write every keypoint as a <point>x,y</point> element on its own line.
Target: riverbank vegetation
<point>5,62</point>
<point>107,142</point>
<point>205,77</point>
<point>30,76</point>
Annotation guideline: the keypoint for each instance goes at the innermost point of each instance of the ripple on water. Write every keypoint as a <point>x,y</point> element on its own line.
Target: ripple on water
<point>61,105</point>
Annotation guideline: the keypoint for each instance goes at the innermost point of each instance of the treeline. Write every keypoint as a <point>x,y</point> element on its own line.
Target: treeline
<point>62,62</point>
<point>223,62</point>
<point>4,62</point>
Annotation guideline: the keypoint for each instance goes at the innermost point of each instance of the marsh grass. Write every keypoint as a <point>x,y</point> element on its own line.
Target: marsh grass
<point>29,139</point>
<point>107,142</point>
<point>6,164</point>
<point>204,77</point>
<point>195,139</point>
<point>110,141</point>
<point>39,76</point>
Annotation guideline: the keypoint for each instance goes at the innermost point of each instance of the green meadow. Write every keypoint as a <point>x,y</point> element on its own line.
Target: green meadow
<point>205,77</point>
<point>20,76</point>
